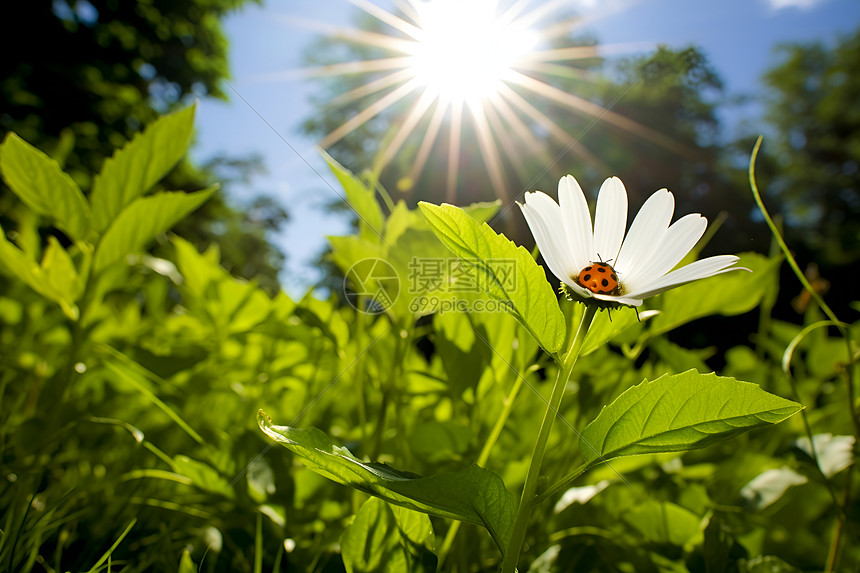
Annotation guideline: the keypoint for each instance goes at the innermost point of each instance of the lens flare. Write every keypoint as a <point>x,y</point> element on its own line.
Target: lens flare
<point>465,51</point>
<point>470,66</point>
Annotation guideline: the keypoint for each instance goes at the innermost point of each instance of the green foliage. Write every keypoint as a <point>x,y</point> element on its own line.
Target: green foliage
<point>108,68</point>
<point>811,169</point>
<point>134,365</point>
<point>44,187</point>
<point>384,538</point>
<point>680,412</point>
<point>141,221</point>
<point>474,495</point>
<point>482,250</point>
<point>134,169</point>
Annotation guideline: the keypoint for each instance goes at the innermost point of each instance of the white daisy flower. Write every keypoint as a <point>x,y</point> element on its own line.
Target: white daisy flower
<point>604,265</point>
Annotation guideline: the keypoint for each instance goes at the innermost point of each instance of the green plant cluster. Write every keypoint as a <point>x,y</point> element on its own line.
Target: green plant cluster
<point>133,368</point>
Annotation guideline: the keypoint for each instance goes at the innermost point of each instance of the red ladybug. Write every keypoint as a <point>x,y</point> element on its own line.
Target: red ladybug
<point>599,278</point>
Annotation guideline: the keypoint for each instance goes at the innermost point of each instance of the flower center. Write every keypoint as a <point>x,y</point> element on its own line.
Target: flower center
<point>599,278</point>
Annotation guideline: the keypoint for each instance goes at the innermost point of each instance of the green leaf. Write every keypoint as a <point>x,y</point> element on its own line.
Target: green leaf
<point>186,564</point>
<point>728,294</point>
<point>609,325</point>
<point>143,220</point>
<point>56,279</point>
<point>486,255</point>
<point>202,475</point>
<point>362,199</point>
<point>44,187</point>
<point>664,522</point>
<point>61,277</point>
<point>474,495</point>
<point>680,412</point>
<point>134,169</point>
<point>387,538</point>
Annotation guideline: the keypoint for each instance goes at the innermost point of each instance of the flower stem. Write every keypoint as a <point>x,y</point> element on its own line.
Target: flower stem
<point>846,334</point>
<point>833,553</point>
<point>530,488</point>
<point>507,406</point>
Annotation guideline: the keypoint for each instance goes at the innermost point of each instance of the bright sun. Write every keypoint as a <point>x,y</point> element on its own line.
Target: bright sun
<point>465,50</point>
<point>475,65</point>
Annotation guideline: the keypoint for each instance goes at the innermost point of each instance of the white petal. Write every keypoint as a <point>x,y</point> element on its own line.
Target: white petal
<point>681,237</point>
<point>694,271</point>
<point>577,222</point>
<point>610,219</point>
<point>645,235</point>
<point>582,292</point>
<point>550,246</point>
<point>623,299</point>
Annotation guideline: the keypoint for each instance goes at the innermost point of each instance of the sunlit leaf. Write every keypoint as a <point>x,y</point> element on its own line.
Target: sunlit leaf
<point>680,412</point>
<point>202,475</point>
<point>362,199</point>
<point>474,495</point>
<point>43,186</point>
<point>135,168</point>
<point>487,256</point>
<point>663,522</point>
<point>61,277</point>
<point>143,220</point>
<point>387,538</point>
<point>56,279</point>
<point>186,564</point>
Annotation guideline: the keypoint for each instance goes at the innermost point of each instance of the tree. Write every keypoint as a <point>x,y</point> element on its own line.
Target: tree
<point>814,175</point>
<point>87,75</point>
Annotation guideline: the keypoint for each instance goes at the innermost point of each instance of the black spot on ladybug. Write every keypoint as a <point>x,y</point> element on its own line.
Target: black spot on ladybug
<point>601,270</point>
<point>605,282</point>
<point>586,278</point>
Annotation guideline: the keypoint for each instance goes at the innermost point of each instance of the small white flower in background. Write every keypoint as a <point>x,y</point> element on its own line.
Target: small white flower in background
<point>604,265</point>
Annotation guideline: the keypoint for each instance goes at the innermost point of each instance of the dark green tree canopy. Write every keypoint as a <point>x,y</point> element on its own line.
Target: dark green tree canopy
<point>105,68</point>
<point>815,177</point>
<point>81,77</point>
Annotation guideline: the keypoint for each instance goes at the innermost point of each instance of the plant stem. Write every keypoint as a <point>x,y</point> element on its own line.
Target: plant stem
<point>530,488</point>
<point>507,406</point>
<point>833,554</point>
<point>846,334</point>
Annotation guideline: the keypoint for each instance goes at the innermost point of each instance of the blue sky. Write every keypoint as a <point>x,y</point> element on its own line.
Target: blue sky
<point>738,37</point>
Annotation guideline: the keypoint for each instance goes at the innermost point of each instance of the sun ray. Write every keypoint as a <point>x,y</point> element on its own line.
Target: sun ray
<point>488,56</point>
<point>555,130</point>
<point>497,126</point>
<point>489,152</point>
<point>353,35</point>
<point>376,85</point>
<point>385,16</point>
<point>368,113</point>
<point>529,19</point>
<point>578,103</point>
<point>428,140</point>
<point>454,150</point>
<point>521,130</point>
<point>419,108</point>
